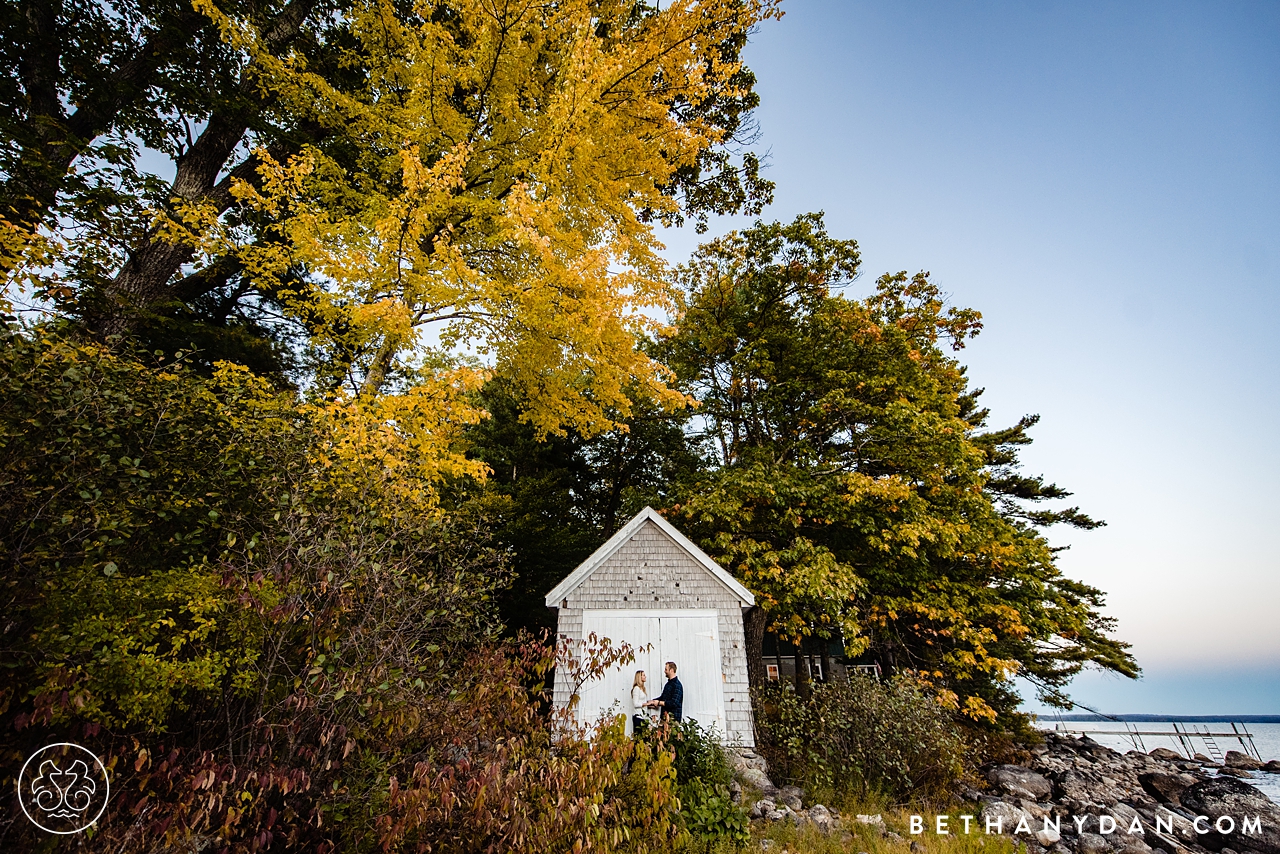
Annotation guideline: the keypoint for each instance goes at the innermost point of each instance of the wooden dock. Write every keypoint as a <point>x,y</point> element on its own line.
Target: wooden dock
<point>1182,735</point>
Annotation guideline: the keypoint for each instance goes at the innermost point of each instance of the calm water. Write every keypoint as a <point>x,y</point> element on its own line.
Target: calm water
<point>1265,736</point>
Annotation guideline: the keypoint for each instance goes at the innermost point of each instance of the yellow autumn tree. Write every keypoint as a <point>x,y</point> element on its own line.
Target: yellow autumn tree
<point>491,189</point>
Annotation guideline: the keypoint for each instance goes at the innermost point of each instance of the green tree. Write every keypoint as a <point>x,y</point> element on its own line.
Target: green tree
<point>854,489</point>
<point>555,500</point>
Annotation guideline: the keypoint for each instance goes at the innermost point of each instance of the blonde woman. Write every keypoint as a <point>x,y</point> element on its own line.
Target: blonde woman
<point>639,701</point>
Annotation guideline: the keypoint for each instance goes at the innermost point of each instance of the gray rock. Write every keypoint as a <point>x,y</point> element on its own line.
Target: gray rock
<point>1097,752</point>
<point>743,758</point>
<point>778,815</point>
<point>860,818</point>
<point>1272,767</point>
<point>1020,782</point>
<point>916,847</point>
<point>1166,754</point>
<point>1092,843</point>
<point>1047,836</point>
<point>1074,786</point>
<point>1165,787</point>
<point>1183,830</point>
<point>762,808</point>
<point>757,779</point>
<point>1243,761</point>
<point>1238,773</point>
<point>1124,816</point>
<point>822,818</point>
<point>1227,796</point>
<point>1141,801</point>
<point>1134,845</point>
<point>792,796</point>
<point>1003,817</point>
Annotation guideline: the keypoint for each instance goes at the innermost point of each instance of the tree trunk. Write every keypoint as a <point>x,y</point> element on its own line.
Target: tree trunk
<point>50,139</point>
<point>753,627</point>
<point>802,676</point>
<point>615,504</point>
<point>144,279</point>
<point>378,370</point>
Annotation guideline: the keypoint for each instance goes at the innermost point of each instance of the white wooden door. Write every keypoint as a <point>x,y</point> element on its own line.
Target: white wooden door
<point>689,638</point>
<point>611,694</point>
<point>693,643</point>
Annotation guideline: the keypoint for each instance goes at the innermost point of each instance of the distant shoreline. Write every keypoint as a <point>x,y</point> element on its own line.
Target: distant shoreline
<point>1199,719</point>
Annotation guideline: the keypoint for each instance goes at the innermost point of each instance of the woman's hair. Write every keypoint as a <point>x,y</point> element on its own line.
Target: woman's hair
<point>639,677</point>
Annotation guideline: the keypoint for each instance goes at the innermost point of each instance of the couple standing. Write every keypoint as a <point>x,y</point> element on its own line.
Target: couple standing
<point>671,702</point>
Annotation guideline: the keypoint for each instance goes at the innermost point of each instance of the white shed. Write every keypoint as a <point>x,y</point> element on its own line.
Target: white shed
<point>650,586</point>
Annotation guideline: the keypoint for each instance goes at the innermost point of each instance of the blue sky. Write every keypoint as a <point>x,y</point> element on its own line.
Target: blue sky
<point>1102,181</point>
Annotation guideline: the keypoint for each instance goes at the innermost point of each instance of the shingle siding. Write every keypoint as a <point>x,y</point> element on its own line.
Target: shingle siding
<point>652,571</point>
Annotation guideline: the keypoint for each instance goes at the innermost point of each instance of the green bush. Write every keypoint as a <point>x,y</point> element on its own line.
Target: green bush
<point>703,775</point>
<point>861,737</point>
<point>699,755</point>
<point>709,813</point>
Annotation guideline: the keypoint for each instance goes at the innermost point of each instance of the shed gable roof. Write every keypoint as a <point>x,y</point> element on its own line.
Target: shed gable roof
<point>646,516</point>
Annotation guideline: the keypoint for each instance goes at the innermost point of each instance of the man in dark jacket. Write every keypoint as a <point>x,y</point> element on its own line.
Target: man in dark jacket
<point>672,700</point>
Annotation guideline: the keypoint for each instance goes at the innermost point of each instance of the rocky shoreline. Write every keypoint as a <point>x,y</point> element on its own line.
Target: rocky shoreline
<point>1157,800</point>
<point>1076,796</point>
